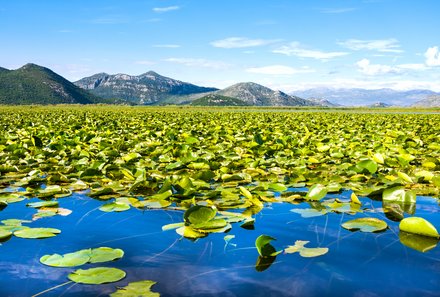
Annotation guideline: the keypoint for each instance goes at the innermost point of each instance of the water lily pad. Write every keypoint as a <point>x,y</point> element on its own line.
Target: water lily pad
<point>264,248</point>
<point>365,225</point>
<point>398,194</point>
<point>105,254</point>
<point>190,233</point>
<point>115,207</point>
<point>43,204</point>
<point>136,289</point>
<point>37,232</point>
<point>309,212</point>
<point>199,214</point>
<point>11,197</point>
<point>67,260</point>
<point>4,234</point>
<point>305,251</point>
<point>95,276</point>
<point>418,226</point>
<point>316,192</point>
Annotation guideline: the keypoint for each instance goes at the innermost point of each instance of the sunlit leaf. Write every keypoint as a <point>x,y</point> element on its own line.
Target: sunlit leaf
<point>305,251</point>
<point>136,289</point>
<point>365,225</point>
<point>418,226</point>
<point>98,275</point>
<point>37,232</point>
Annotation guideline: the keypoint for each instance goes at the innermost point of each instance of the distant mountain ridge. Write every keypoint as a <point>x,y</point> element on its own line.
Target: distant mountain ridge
<point>255,94</point>
<point>214,99</point>
<point>147,88</point>
<point>365,97</point>
<point>430,101</point>
<point>34,84</point>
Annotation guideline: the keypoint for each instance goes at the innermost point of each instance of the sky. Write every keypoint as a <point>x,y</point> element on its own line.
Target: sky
<point>283,44</point>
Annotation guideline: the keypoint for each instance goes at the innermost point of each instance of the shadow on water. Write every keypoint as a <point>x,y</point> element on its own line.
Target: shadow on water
<point>357,264</point>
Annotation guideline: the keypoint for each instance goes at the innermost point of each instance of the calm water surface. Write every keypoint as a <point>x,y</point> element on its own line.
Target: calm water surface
<point>357,264</point>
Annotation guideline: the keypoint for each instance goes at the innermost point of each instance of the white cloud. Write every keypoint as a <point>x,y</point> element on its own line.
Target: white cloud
<point>295,49</point>
<point>381,45</point>
<point>192,62</point>
<point>278,70</point>
<point>367,68</point>
<point>166,45</point>
<point>166,9</point>
<point>432,56</point>
<point>240,42</point>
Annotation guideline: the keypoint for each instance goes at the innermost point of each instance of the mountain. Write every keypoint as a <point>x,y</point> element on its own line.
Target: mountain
<point>255,94</point>
<point>322,102</point>
<point>430,101</point>
<point>379,104</point>
<point>33,84</point>
<point>147,88</point>
<point>218,100</point>
<point>365,97</point>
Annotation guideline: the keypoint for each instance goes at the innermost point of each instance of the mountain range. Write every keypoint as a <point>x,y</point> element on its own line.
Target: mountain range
<point>366,97</point>
<point>33,84</point>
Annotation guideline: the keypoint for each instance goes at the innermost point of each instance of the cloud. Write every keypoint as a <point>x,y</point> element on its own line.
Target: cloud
<point>167,45</point>
<point>278,70</point>
<point>367,68</point>
<point>432,56</point>
<point>390,45</point>
<point>240,42</point>
<point>337,10</point>
<point>295,49</point>
<point>165,9</point>
<point>192,62</point>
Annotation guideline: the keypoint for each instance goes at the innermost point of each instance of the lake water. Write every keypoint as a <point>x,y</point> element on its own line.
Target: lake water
<point>357,264</point>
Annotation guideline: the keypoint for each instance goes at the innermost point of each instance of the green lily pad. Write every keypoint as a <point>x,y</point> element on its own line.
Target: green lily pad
<point>105,254</point>
<point>43,204</point>
<point>95,276</point>
<point>37,232</point>
<point>115,207</point>
<point>11,197</point>
<point>304,251</point>
<point>264,248</point>
<point>309,212</point>
<point>67,260</point>
<point>4,234</point>
<point>365,225</point>
<point>418,226</point>
<point>136,289</point>
<point>190,233</point>
<point>316,192</point>
<point>398,194</point>
<point>199,214</point>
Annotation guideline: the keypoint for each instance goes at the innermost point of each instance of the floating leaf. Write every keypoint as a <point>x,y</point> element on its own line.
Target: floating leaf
<point>43,204</point>
<point>199,214</point>
<point>95,276</point>
<point>115,207</point>
<point>264,248</point>
<point>10,198</point>
<point>105,254</point>
<point>4,234</point>
<point>309,212</point>
<point>67,260</point>
<point>354,199</point>
<point>365,225</point>
<point>136,289</point>
<point>37,232</point>
<point>418,226</point>
<point>189,232</point>
<point>398,194</point>
<point>316,192</point>
<point>304,251</point>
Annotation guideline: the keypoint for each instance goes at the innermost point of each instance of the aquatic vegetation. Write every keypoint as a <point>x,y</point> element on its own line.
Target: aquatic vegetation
<point>139,289</point>
<point>303,251</point>
<point>96,276</point>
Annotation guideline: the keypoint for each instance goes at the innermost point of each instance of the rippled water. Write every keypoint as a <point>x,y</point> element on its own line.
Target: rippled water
<point>357,264</point>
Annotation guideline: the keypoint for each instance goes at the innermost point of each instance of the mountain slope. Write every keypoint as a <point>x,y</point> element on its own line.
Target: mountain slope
<point>365,97</point>
<point>218,100</point>
<point>255,94</point>
<point>147,88</point>
<point>430,101</point>
<point>33,84</point>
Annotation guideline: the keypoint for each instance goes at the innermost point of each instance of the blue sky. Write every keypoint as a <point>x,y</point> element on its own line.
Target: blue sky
<point>283,44</point>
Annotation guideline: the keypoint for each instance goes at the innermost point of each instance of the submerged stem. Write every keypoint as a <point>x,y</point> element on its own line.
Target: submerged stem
<point>53,288</point>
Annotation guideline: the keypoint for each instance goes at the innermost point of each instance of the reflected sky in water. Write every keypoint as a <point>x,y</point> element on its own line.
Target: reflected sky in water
<point>357,264</point>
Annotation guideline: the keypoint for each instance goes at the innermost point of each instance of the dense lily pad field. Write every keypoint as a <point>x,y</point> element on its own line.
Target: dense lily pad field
<point>216,173</point>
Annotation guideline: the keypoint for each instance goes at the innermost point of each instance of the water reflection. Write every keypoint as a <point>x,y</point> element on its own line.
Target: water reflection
<point>357,264</point>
